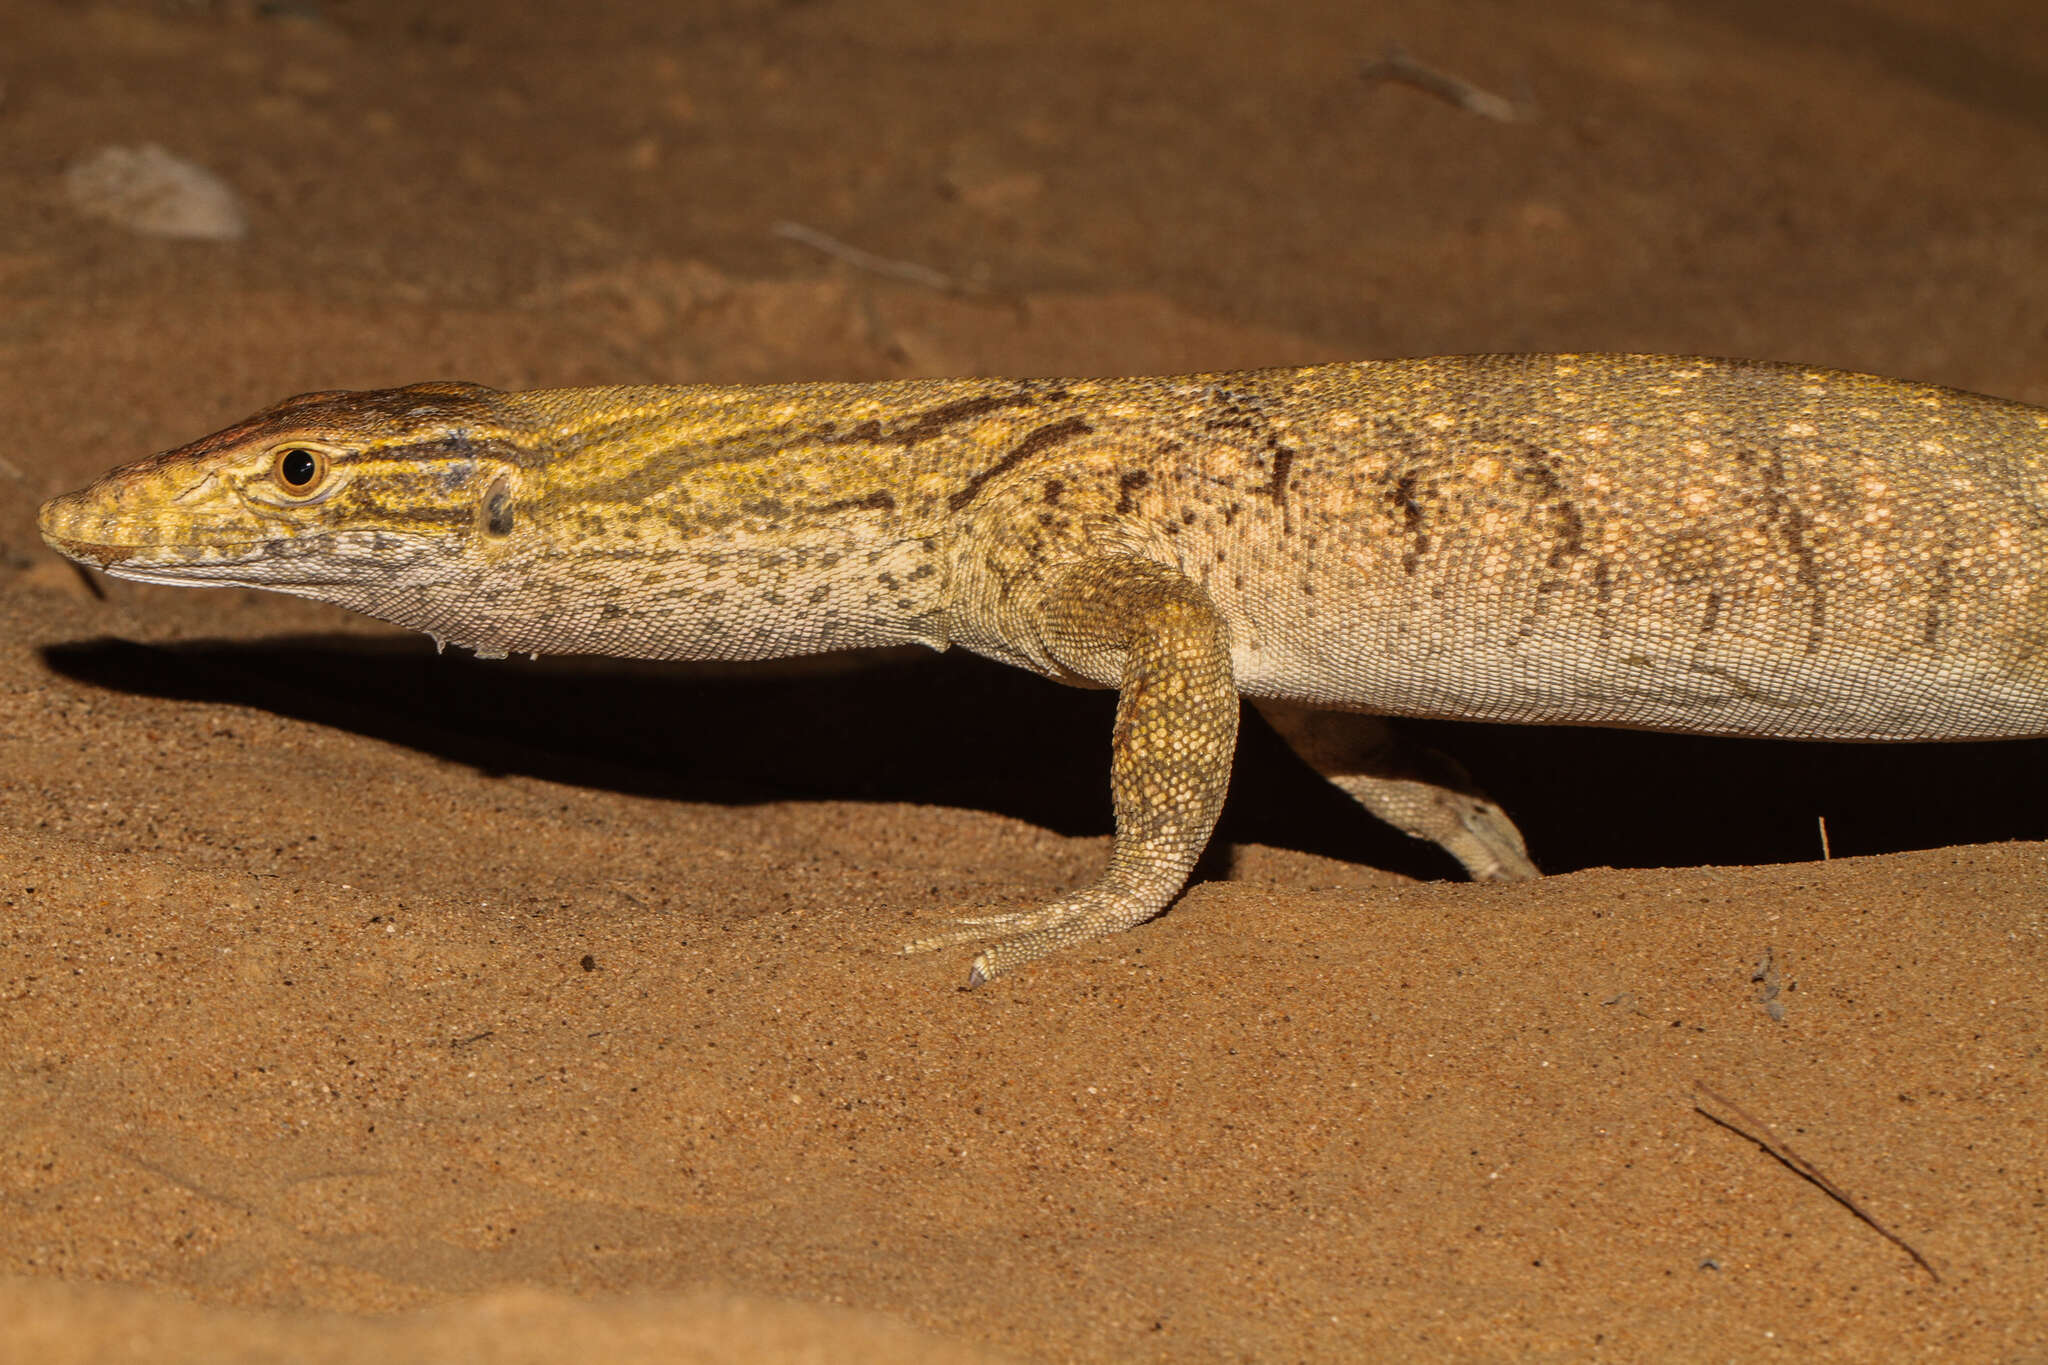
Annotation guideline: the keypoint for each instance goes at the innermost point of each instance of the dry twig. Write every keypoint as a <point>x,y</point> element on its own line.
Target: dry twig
<point>1776,1147</point>
<point>910,272</point>
<point>1397,66</point>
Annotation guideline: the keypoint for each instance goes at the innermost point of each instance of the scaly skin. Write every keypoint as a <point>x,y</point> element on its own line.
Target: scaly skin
<point>1664,543</point>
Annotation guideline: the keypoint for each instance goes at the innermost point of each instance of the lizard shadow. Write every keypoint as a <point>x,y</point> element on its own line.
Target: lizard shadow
<point>956,730</point>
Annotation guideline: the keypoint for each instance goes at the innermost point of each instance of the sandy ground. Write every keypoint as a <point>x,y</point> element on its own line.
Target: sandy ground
<point>358,1003</point>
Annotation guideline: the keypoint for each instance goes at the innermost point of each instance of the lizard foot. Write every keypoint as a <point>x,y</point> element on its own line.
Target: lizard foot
<point>1481,836</point>
<point>1470,827</point>
<point>1418,791</point>
<point>1025,935</point>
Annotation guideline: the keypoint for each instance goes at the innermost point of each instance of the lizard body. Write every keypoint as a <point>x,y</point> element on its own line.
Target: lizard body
<point>1656,542</point>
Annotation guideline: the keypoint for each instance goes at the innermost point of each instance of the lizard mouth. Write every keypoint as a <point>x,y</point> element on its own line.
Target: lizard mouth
<point>150,562</point>
<point>305,563</point>
<point>213,573</point>
<point>225,565</point>
<point>88,552</point>
<point>83,527</point>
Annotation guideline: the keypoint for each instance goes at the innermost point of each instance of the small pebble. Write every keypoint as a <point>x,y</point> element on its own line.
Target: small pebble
<point>148,190</point>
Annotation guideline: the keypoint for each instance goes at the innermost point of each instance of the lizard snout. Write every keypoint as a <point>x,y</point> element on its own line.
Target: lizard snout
<point>73,525</point>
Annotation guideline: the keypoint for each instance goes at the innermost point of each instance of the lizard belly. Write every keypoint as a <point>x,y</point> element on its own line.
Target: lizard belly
<point>729,604</point>
<point>1648,682</point>
<point>1711,656</point>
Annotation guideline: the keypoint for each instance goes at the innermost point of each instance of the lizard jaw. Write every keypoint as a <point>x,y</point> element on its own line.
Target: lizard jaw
<point>76,529</point>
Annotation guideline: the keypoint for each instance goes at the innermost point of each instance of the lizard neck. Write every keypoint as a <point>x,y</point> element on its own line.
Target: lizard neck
<point>686,522</point>
<point>728,600</point>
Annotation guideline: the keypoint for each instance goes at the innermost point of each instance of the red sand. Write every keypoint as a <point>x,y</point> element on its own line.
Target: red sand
<point>552,1008</point>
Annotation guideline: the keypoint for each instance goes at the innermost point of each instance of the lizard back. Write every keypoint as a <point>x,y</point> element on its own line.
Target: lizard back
<point>1656,542</point>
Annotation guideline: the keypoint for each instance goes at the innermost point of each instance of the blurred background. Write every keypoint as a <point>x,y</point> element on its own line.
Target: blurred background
<point>558,193</point>
<point>341,975</point>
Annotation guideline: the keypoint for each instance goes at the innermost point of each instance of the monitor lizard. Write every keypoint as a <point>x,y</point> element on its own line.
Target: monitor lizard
<point>1668,543</point>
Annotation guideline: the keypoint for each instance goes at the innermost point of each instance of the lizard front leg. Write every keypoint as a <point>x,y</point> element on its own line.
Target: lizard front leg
<point>1155,636</point>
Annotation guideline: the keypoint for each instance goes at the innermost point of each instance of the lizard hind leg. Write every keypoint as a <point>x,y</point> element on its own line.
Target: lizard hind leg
<point>1418,791</point>
<point>1155,636</point>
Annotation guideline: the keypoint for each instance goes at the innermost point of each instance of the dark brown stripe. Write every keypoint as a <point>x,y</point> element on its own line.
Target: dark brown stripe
<point>865,433</point>
<point>872,502</point>
<point>1939,585</point>
<point>364,502</point>
<point>1039,439</point>
<point>1127,485</point>
<point>1283,462</point>
<point>926,425</point>
<point>1792,523</point>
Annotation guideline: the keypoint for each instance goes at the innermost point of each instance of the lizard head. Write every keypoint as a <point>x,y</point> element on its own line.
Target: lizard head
<point>311,491</point>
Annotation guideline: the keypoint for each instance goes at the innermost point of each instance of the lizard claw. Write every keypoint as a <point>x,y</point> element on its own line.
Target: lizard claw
<point>971,928</point>
<point>1024,935</point>
<point>979,973</point>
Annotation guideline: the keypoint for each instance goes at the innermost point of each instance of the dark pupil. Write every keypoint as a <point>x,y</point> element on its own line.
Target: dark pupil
<point>298,468</point>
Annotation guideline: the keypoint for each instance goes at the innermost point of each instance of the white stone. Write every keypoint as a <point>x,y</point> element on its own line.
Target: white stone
<point>148,190</point>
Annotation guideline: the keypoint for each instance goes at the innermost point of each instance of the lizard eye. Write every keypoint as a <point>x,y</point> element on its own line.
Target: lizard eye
<point>298,471</point>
